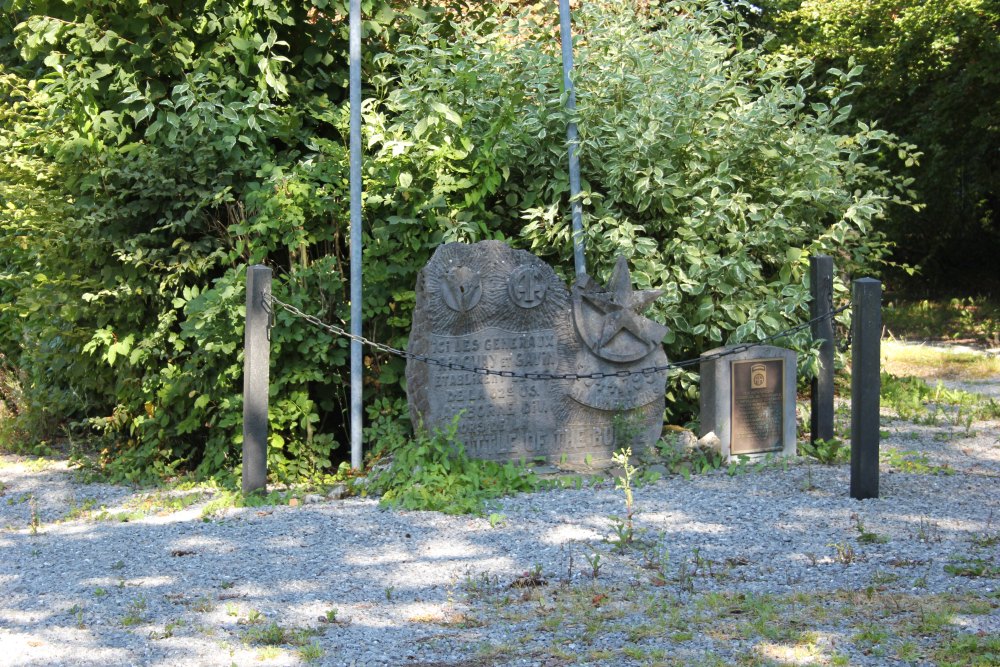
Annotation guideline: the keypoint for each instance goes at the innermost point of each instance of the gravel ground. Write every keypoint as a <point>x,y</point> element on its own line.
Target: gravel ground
<point>343,582</point>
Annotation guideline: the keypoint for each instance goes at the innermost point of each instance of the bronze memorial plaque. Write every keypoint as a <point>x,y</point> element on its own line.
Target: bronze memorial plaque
<point>758,399</point>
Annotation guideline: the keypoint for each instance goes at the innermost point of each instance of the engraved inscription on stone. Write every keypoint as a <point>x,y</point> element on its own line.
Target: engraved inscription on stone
<point>512,406</point>
<point>757,404</point>
<point>488,306</point>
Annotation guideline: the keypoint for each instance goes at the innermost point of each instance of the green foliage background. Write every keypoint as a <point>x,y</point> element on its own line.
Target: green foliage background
<point>152,150</point>
<point>930,75</point>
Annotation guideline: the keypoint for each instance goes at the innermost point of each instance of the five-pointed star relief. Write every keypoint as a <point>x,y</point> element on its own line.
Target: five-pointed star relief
<point>621,305</point>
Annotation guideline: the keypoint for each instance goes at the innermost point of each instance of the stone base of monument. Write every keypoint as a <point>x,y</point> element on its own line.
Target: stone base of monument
<point>489,307</point>
<point>748,401</point>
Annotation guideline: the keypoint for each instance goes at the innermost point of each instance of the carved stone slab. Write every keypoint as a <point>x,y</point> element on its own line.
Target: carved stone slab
<point>491,307</point>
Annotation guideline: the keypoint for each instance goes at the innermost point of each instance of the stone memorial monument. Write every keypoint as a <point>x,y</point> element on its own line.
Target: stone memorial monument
<point>748,401</point>
<point>489,306</point>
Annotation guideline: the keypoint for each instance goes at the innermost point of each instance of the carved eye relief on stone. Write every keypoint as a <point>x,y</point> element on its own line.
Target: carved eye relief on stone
<point>527,287</point>
<point>461,288</point>
<point>608,318</point>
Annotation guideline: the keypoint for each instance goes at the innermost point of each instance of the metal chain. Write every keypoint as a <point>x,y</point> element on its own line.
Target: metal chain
<point>599,375</point>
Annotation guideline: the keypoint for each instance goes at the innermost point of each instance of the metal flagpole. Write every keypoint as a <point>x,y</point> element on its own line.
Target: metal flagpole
<point>355,163</point>
<point>566,36</point>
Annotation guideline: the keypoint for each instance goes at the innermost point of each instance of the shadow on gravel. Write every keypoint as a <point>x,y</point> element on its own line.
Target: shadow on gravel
<point>383,587</point>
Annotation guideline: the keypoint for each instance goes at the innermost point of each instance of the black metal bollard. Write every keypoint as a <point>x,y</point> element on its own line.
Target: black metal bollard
<point>256,367</point>
<point>865,386</point>
<point>821,286</point>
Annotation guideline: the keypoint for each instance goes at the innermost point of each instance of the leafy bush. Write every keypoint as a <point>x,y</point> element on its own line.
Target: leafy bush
<point>702,161</point>
<point>154,150</point>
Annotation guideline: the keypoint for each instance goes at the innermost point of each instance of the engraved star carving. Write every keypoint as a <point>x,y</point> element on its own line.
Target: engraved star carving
<point>621,307</point>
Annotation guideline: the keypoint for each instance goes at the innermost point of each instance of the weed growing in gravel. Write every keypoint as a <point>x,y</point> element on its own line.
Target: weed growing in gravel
<point>624,529</point>
<point>311,652</point>
<point>915,463</point>
<point>969,566</point>
<point>866,536</point>
<point>202,604</point>
<point>253,617</point>
<point>77,612</point>
<point>271,634</point>
<point>79,510</point>
<point>827,452</point>
<point>928,531</point>
<point>845,553</point>
<point>986,540</point>
<point>34,521</point>
<point>136,613</point>
<point>914,400</point>
<point>594,560</point>
<point>967,649</point>
<point>168,630</point>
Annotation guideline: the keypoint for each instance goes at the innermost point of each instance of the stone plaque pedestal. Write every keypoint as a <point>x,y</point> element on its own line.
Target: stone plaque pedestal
<point>748,401</point>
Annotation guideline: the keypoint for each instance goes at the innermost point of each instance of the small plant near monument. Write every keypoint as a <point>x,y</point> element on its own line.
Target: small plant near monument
<point>624,529</point>
<point>698,460</point>
<point>866,536</point>
<point>433,472</point>
<point>827,452</point>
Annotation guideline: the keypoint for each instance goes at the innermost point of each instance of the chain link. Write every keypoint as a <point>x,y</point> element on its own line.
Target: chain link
<point>598,375</point>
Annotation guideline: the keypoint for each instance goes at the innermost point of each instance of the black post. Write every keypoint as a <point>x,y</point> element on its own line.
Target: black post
<point>865,385</point>
<point>256,365</point>
<point>821,286</point>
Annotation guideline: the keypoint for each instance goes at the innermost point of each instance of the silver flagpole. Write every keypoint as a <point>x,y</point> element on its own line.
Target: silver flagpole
<point>566,36</point>
<point>356,351</point>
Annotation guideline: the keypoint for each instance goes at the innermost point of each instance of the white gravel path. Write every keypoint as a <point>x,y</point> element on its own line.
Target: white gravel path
<point>410,587</point>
